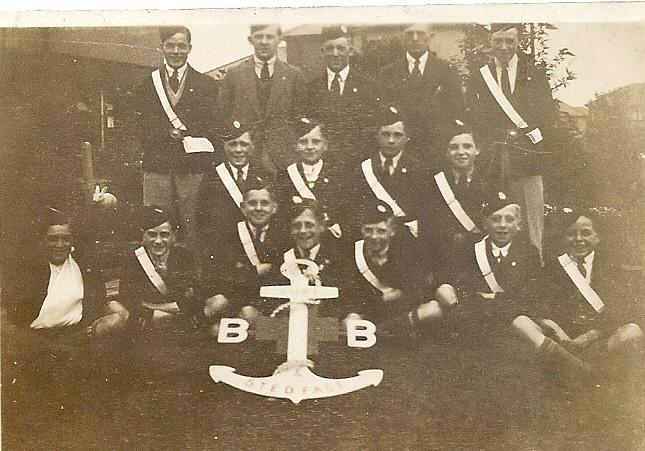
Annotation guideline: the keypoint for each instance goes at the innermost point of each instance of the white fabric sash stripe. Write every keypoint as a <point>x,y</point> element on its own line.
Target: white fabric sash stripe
<point>484,266</point>
<point>247,243</point>
<point>573,271</point>
<point>378,189</point>
<point>367,273</point>
<point>452,202</point>
<point>299,182</point>
<point>151,272</point>
<point>165,103</point>
<point>229,183</point>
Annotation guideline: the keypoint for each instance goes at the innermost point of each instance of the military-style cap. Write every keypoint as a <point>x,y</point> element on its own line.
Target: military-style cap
<point>333,32</point>
<point>374,212</point>
<point>50,216</point>
<point>496,202</point>
<point>564,217</point>
<point>303,125</point>
<point>389,114</point>
<point>233,129</point>
<point>458,127</point>
<point>149,217</point>
<point>496,27</point>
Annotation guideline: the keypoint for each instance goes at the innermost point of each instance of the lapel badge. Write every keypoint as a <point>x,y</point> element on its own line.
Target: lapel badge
<point>239,265</point>
<point>191,90</point>
<point>326,180</point>
<point>355,90</point>
<point>404,170</point>
<point>528,78</point>
<point>438,90</point>
<point>513,263</point>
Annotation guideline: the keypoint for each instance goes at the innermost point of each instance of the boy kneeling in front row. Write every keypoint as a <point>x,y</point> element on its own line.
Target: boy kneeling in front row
<point>586,326</point>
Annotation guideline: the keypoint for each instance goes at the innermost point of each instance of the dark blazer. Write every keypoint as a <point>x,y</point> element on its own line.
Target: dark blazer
<point>519,274</point>
<point>439,230</point>
<point>328,190</point>
<point>229,271</point>
<point>349,122</point>
<point>197,110</point>
<point>217,212</point>
<point>401,271</point>
<point>405,186</point>
<point>429,104</point>
<point>238,100</point>
<point>531,98</point>
<point>135,287</point>
<point>26,290</point>
<point>563,302</point>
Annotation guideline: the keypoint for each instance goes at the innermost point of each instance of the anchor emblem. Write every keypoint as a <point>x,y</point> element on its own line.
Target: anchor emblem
<point>294,379</point>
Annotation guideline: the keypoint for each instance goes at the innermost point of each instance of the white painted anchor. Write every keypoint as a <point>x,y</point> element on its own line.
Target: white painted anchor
<point>293,379</point>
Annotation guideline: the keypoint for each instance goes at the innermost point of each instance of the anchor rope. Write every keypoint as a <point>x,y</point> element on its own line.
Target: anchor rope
<point>281,307</point>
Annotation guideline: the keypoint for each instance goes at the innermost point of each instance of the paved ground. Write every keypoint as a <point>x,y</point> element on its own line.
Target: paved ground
<point>433,396</point>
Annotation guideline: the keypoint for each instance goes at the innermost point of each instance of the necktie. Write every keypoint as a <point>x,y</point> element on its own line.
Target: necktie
<point>581,267</point>
<point>388,166</point>
<point>416,71</point>
<point>173,81</point>
<point>264,73</point>
<point>335,87</point>
<point>505,82</point>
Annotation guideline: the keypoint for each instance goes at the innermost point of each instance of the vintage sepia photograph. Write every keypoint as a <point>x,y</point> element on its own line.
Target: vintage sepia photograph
<point>323,227</point>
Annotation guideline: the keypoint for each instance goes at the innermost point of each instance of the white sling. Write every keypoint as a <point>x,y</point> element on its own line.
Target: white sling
<point>247,243</point>
<point>229,183</point>
<point>484,266</point>
<point>299,182</point>
<point>367,273</point>
<point>452,202</point>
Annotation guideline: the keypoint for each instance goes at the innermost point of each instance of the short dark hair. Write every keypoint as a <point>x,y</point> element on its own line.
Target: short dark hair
<point>258,185</point>
<point>307,204</point>
<point>262,26</point>
<point>166,32</point>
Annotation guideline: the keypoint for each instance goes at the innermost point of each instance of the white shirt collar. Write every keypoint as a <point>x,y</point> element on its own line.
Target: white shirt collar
<point>423,59</point>
<point>258,233</point>
<point>395,159</point>
<point>500,250</point>
<point>180,72</point>
<point>312,171</point>
<point>469,176</point>
<point>259,63</point>
<point>244,169</point>
<point>343,76</point>
<point>587,262</point>
<point>512,71</point>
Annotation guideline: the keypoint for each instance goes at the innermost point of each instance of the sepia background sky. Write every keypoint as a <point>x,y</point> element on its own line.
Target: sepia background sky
<point>608,41</point>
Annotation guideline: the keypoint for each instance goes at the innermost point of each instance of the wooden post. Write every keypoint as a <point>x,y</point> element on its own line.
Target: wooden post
<point>88,172</point>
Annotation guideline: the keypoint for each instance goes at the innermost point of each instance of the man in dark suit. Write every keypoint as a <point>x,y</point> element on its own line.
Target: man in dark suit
<point>342,99</point>
<point>589,321</point>
<point>512,111</point>
<point>176,118</point>
<point>222,190</point>
<point>391,175</point>
<point>266,91</point>
<point>428,90</point>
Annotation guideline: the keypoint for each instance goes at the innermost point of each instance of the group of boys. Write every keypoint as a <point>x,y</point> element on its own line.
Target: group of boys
<point>410,230</point>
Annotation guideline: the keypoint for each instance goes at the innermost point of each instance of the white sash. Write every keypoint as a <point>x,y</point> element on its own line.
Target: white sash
<point>378,189</point>
<point>290,257</point>
<point>484,266</point>
<point>299,182</point>
<point>63,305</point>
<point>229,183</point>
<point>247,243</point>
<point>535,135</point>
<point>367,273</point>
<point>165,103</point>
<point>573,271</point>
<point>452,202</point>
<point>381,194</point>
<point>151,272</point>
